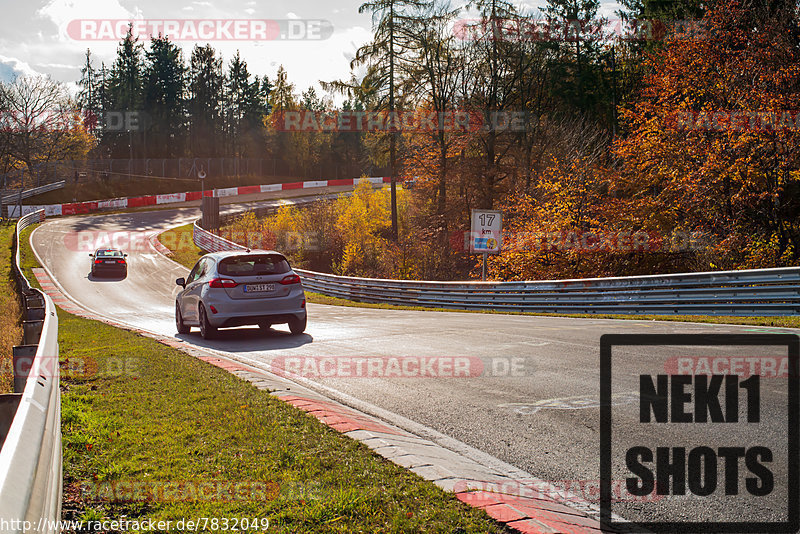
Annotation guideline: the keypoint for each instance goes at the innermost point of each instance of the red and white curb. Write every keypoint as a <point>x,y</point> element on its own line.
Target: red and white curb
<point>503,491</point>
<point>156,244</point>
<point>79,208</point>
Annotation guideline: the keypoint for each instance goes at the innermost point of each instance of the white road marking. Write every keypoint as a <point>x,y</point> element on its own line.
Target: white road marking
<point>569,403</point>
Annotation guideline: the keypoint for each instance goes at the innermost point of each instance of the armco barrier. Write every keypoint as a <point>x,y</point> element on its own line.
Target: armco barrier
<point>77,208</point>
<point>30,457</point>
<point>21,195</point>
<point>745,293</point>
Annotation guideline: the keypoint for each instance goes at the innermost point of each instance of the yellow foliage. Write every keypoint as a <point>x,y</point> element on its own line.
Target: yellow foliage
<point>349,235</point>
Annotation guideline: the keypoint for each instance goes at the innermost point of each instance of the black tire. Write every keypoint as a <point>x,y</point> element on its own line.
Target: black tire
<point>206,330</point>
<point>179,324</point>
<point>298,326</point>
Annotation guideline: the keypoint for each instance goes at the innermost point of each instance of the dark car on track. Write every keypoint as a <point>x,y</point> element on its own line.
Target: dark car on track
<point>110,262</point>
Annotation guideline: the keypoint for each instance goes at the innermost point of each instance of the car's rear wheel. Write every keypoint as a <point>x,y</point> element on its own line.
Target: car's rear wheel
<point>298,326</point>
<point>206,330</point>
<point>179,324</point>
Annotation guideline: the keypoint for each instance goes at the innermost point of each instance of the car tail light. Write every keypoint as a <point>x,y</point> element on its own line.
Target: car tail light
<point>222,283</point>
<point>120,261</point>
<point>213,309</point>
<point>290,279</point>
<point>98,261</point>
<point>303,305</point>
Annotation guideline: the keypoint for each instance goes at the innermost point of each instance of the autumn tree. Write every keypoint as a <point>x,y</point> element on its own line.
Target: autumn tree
<point>42,123</point>
<point>714,142</point>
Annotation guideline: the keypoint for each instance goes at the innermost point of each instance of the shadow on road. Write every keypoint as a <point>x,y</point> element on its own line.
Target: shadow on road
<point>247,339</point>
<point>107,278</point>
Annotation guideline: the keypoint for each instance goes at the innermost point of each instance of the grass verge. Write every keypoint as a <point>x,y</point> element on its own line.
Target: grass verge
<point>10,311</point>
<point>150,432</point>
<point>179,240</point>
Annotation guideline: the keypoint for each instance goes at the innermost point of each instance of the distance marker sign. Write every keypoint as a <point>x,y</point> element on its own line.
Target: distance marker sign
<point>486,232</point>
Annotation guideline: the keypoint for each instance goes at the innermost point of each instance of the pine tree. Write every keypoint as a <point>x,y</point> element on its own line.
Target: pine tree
<point>382,56</point>
<point>164,99</point>
<point>205,102</point>
<point>123,88</point>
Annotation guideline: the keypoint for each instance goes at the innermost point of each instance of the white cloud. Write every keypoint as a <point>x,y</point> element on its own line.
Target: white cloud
<point>11,67</point>
<point>331,58</point>
<point>59,66</point>
<point>62,12</point>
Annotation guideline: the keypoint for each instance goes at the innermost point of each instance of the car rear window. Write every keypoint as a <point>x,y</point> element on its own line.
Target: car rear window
<point>253,265</point>
<point>109,253</point>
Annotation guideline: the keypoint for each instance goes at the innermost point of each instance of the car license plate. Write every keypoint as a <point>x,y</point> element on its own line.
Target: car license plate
<point>110,261</point>
<point>259,288</point>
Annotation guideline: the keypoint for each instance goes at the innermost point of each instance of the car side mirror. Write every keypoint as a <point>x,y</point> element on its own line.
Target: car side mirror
<point>124,255</point>
<point>91,255</point>
<point>181,282</point>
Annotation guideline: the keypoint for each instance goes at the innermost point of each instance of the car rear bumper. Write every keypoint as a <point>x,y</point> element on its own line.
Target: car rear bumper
<point>110,269</point>
<point>276,318</point>
<point>242,312</point>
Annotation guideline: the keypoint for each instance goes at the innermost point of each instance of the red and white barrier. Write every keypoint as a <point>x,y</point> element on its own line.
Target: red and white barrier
<point>76,208</point>
<point>170,197</point>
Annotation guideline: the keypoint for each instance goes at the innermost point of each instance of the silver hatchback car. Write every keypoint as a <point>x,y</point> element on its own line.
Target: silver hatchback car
<point>240,288</point>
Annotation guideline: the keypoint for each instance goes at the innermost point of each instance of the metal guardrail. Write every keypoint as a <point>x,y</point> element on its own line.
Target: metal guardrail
<point>746,293</point>
<point>11,200</point>
<point>30,457</point>
<point>209,242</point>
<point>212,243</point>
<point>756,292</point>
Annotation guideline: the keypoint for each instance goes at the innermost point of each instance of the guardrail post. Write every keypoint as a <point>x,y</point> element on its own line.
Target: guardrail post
<point>34,312</point>
<point>32,331</point>
<point>8,409</point>
<point>23,356</point>
<point>34,301</point>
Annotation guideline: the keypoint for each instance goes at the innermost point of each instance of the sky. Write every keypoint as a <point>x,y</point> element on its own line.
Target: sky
<point>51,37</point>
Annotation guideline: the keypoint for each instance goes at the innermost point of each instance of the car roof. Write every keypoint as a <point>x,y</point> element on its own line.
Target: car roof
<point>228,253</point>
<point>104,249</point>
